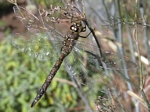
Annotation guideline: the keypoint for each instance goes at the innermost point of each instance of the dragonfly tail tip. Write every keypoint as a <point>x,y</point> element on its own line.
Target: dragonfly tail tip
<point>33,103</point>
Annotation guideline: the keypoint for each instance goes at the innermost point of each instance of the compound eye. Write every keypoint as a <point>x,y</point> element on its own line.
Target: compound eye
<point>75,29</point>
<point>72,28</point>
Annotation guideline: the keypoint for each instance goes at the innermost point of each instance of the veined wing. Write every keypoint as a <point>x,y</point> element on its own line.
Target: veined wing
<point>31,22</point>
<point>114,61</point>
<point>41,38</point>
<point>86,65</point>
<point>36,24</point>
<point>41,47</point>
<point>37,46</point>
<point>108,60</point>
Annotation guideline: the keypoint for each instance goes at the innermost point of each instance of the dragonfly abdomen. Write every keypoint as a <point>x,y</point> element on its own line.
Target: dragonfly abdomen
<point>49,79</point>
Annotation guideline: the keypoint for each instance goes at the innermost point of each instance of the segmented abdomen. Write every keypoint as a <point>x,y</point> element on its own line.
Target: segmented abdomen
<point>49,79</point>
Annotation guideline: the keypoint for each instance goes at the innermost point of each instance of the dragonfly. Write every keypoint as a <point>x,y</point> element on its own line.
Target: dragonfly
<point>42,34</point>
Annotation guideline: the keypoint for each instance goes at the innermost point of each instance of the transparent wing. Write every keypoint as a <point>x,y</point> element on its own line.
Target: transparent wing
<point>37,24</point>
<point>87,66</point>
<point>42,38</point>
<point>37,46</point>
<point>108,60</point>
<point>31,22</point>
<point>111,61</point>
<point>85,74</point>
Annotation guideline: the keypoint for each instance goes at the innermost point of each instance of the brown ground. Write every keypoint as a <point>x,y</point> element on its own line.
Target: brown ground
<point>11,23</point>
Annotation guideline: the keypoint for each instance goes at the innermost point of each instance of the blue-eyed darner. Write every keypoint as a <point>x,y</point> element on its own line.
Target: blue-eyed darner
<point>43,37</point>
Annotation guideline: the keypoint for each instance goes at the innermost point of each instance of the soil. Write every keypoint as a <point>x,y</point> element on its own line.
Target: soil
<point>8,20</point>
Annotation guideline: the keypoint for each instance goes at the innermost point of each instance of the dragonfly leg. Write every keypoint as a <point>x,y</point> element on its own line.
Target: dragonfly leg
<point>85,36</point>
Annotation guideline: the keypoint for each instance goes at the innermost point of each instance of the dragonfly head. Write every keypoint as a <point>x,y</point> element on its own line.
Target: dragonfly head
<point>77,27</point>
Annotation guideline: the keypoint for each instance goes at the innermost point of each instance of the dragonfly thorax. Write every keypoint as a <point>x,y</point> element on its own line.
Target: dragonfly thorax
<point>72,37</point>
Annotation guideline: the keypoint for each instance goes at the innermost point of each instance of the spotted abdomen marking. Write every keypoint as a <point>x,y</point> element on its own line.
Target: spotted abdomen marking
<point>48,79</point>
